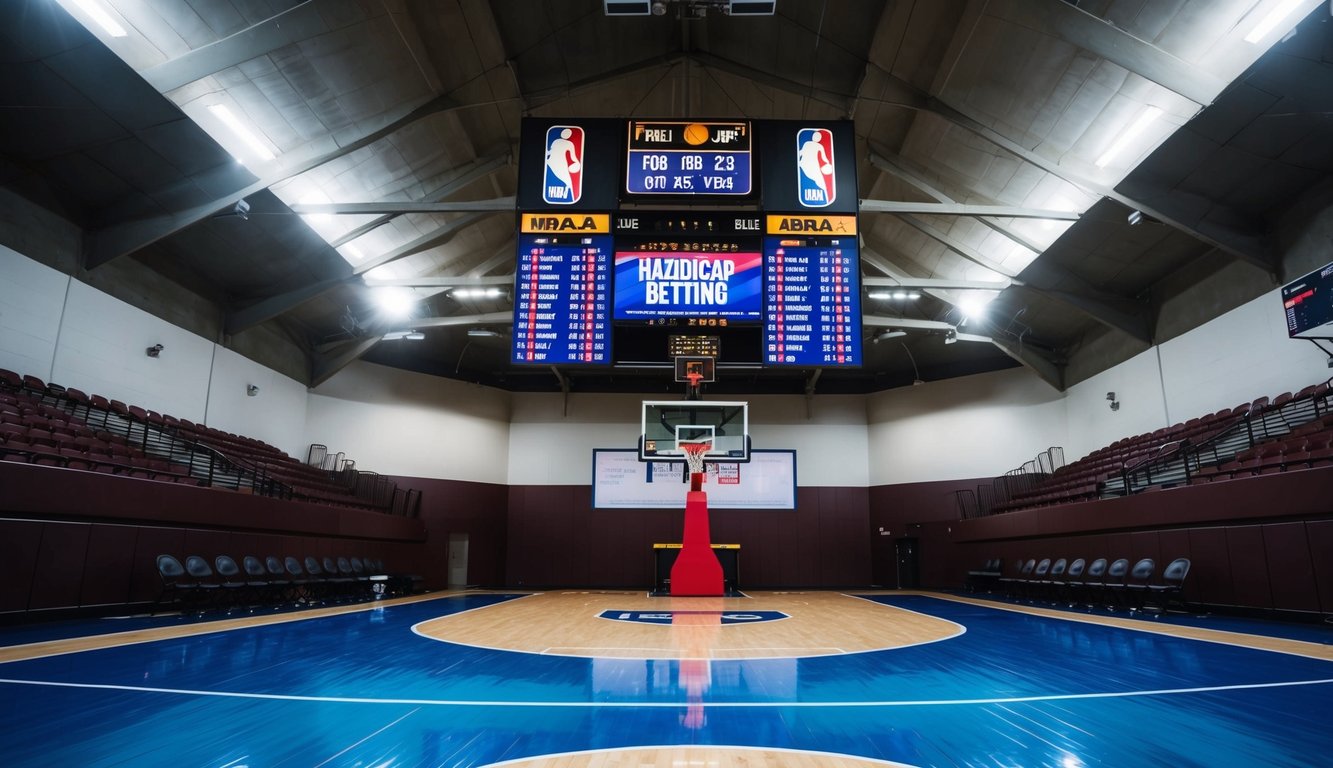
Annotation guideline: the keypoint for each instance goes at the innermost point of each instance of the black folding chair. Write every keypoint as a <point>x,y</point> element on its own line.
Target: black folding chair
<point>178,588</point>
<point>1032,584</point>
<point>1172,586</point>
<point>256,578</point>
<point>1012,584</point>
<point>1073,580</point>
<point>1135,589</point>
<point>202,573</point>
<point>279,581</point>
<point>1114,582</point>
<point>302,584</point>
<point>234,589</point>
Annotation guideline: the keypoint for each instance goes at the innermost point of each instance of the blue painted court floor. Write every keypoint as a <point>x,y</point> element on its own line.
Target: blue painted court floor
<point>361,689</point>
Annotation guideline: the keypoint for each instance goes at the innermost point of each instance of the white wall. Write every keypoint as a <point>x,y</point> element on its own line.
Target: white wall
<point>67,332</point>
<point>1242,355</point>
<point>102,345</point>
<point>1137,384</point>
<point>975,426</point>
<point>32,299</point>
<point>403,423</point>
<point>276,415</point>
<point>550,447</point>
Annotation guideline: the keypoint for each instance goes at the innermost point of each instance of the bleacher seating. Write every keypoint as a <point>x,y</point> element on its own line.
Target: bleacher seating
<point>1289,432</point>
<point>52,425</point>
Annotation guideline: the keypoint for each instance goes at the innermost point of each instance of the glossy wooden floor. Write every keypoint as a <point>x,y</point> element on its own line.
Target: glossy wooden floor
<point>578,679</point>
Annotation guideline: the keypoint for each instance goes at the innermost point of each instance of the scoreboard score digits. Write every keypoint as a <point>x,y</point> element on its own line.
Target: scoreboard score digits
<point>688,158</point>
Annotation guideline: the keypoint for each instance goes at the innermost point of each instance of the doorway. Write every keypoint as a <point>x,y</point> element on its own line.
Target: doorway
<point>458,559</point>
<point>905,553</point>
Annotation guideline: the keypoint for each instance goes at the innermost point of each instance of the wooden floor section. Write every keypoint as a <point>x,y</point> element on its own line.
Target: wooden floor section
<point>569,624</point>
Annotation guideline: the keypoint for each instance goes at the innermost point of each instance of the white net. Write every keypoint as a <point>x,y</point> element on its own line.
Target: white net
<point>694,456</point>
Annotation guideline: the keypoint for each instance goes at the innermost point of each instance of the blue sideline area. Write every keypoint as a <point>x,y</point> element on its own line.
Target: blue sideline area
<point>363,689</point>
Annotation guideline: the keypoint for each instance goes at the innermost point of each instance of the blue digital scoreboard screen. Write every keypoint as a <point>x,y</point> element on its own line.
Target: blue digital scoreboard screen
<point>562,297</point>
<point>690,158</point>
<point>813,301</point>
<point>699,269</point>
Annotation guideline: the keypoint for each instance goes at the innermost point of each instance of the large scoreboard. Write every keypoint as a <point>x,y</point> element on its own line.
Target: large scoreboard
<point>757,230</point>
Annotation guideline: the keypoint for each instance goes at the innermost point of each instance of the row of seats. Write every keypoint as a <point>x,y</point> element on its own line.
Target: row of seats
<point>273,581</point>
<point>1086,478</point>
<point>1101,582</point>
<point>52,425</point>
<point>1305,449</point>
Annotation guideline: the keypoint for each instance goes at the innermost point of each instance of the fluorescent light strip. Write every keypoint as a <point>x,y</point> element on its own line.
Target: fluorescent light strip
<point>1274,17</point>
<point>103,19</point>
<point>1150,114</point>
<point>223,113</point>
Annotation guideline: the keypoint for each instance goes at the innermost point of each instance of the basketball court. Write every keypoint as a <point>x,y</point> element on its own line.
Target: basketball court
<point>575,678</point>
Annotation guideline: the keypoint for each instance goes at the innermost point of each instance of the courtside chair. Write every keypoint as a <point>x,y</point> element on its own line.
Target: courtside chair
<point>319,581</point>
<point>278,580</point>
<point>1065,587</point>
<point>302,589</point>
<point>209,588</point>
<point>1114,582</point>
<point>1012,584</point>
<point>1094,580</point>
<point>177,586</point>
<point>235,591</point>
<point>1032,585</point>
<point>1054,580</point>
<point>1136,586</point>
<point>1172,586</point>
<point>256,579</point>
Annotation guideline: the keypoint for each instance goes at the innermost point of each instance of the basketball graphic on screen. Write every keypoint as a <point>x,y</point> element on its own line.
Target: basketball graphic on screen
<point>696,134</point>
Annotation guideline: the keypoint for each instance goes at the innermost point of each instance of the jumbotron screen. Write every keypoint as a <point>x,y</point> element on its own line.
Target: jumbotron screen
<point>653,284</point>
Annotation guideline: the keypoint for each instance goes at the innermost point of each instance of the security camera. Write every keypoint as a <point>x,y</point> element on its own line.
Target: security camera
<point>242,209</point>
<point>251,390</point>
<point>154,350</point>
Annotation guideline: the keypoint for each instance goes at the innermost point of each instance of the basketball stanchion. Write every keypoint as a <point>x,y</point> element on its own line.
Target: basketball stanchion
<point>697,571</point>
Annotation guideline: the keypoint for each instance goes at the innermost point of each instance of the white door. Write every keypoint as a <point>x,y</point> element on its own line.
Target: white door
<point>457,559</point>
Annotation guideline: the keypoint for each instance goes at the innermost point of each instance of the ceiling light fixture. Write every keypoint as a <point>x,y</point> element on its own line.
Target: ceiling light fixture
<point>100,17</point>
<point>407,335</point>
<point>483,333</point>
<point>1274,17</point>
<point>1127,137</point>
<point>899,295</point>
<point>395,302</point>
<point>477,293</point>
<point>887,334</point>
<point>247,137</point>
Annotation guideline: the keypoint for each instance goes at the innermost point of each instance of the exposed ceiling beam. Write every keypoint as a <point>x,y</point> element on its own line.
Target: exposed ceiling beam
<point>431,239</point>
<point>452,281</point>
<point>1040,275</point>
<point>457,179</point>
<point>842,101</point>
<point>1064,20</point>
<point>1049,372</point>
<point>302,22</point>
<point>485,318</point>
<point>273,306</point>
<point>961,209</point>
<point>548,95</point>
<point>109,243</point>
<point>507,252</point>
<point>936,283</point>
<point>325,365</point>
<point>1248,246</point>
<point>882,321</point>
<point>956,245</point>
<point>399,208</point>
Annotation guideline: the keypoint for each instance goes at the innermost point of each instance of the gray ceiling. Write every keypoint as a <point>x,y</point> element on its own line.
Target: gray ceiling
<point>1010,103</point>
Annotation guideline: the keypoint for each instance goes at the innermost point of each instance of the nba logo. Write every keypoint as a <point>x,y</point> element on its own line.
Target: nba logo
<point>815,183</point>
<point>562,182</point>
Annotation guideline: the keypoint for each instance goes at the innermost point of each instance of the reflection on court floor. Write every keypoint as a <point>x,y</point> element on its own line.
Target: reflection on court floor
<point>389,687</point>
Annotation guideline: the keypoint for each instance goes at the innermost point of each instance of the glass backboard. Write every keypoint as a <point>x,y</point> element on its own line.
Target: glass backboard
<point>668,423</point>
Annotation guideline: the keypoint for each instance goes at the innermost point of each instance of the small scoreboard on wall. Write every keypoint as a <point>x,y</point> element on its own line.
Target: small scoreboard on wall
<point>777,272</point>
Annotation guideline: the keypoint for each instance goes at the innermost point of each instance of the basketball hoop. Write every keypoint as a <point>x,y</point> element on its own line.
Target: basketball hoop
<point>694,456</point>
<point>695,377</point>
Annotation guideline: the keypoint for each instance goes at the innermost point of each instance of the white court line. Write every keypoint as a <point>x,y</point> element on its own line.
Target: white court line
<point>670,704</point>
<point>1143,626</point>
<point>368,737</point>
